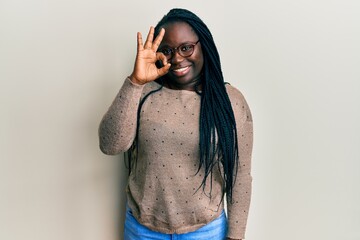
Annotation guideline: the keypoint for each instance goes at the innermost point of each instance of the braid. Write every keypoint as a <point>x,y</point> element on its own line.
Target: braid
<point>218,136</point>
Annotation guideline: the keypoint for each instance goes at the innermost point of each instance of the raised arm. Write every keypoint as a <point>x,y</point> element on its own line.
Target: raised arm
<point>118,126</point>
<point>117,129</point>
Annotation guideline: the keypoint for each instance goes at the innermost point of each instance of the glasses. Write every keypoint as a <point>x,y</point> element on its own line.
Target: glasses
<point>184,50</point>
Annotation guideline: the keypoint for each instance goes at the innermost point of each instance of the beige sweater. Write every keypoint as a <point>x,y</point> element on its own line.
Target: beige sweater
<point>162,190</point>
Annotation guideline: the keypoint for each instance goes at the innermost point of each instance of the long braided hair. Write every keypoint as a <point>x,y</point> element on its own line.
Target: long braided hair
<point>217,126</point>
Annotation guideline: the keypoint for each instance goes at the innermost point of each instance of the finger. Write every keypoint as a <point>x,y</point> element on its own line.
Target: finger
<point>164,70</point>
<point>139,41</point>
<point>149,38</point>
<point>161,57</point>
<point>158,39</point>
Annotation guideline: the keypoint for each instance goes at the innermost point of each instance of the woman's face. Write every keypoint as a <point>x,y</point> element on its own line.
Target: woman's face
<point>185,72</point>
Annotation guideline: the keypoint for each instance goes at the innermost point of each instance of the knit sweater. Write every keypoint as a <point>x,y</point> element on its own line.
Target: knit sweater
<point>163,187</point>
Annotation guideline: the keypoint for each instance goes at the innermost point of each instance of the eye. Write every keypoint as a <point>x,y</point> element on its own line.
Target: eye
<point>186,48</point>
<point>166,51</point>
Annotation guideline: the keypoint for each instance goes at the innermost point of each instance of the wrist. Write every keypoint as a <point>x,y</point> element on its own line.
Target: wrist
<point>134,80</point>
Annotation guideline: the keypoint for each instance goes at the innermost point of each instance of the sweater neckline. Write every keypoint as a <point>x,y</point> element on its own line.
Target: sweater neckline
<point>175,90</point>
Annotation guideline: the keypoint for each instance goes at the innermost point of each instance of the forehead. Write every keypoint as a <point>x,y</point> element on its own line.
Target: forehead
<point>177,33</point>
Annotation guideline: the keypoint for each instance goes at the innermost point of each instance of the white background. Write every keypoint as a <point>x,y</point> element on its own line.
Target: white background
<point>62,62</point>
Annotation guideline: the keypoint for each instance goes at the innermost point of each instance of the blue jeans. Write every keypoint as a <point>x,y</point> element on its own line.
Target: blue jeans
<point>215,230</point>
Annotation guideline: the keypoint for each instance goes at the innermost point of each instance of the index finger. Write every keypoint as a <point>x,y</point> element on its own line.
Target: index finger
<point>158,39</point>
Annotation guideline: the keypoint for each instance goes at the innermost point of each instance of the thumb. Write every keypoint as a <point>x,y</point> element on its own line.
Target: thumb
<point>164,70</point>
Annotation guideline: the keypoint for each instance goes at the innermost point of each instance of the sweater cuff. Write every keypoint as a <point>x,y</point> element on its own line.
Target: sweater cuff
<point>135,84</point>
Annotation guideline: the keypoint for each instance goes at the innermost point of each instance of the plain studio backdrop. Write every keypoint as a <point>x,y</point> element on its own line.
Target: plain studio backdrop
<point>62,63</point>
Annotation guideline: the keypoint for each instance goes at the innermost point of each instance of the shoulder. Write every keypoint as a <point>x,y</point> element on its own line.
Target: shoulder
<point>235,95</point>
<point>149,87</point>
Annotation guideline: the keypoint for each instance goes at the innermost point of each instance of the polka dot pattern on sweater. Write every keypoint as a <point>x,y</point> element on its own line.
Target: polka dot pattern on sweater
<point>166,181</point>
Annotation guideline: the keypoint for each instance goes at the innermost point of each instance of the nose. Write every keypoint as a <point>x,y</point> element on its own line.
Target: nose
<point>176,58</point>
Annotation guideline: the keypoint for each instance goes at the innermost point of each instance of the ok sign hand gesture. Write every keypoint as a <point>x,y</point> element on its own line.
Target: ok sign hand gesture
<point>145,69</point>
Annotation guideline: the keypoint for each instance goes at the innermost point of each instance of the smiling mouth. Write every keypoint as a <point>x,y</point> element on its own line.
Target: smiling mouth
<point>180,70</point>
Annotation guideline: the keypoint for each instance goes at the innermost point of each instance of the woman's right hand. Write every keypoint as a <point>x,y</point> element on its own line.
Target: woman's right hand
<point>145,69</point>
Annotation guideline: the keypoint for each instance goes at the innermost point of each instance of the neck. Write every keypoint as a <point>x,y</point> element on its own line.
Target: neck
<point>190,86</point>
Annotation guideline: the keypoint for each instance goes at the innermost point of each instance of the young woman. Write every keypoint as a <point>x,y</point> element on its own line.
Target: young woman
<point>188,136</point>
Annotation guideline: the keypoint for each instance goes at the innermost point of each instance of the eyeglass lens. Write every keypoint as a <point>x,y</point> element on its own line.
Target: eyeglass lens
<point>184,50</point>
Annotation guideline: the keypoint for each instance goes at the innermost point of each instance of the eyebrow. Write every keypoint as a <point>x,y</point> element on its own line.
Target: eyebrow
<point>166,45</point>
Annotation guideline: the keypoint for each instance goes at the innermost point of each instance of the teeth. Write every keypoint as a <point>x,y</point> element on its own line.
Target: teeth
<point>180,69</point>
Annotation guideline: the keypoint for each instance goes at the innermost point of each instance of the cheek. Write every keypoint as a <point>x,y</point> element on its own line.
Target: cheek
<point>200,61</point>
<point>197,60</point>
<point>199,65</point>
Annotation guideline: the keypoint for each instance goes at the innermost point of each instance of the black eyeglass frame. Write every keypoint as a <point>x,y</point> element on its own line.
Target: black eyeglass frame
<point>176,49</point>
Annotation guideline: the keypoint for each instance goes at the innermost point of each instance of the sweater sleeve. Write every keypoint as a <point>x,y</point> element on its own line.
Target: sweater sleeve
<point>238,206</point>
<point>118,126</point>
